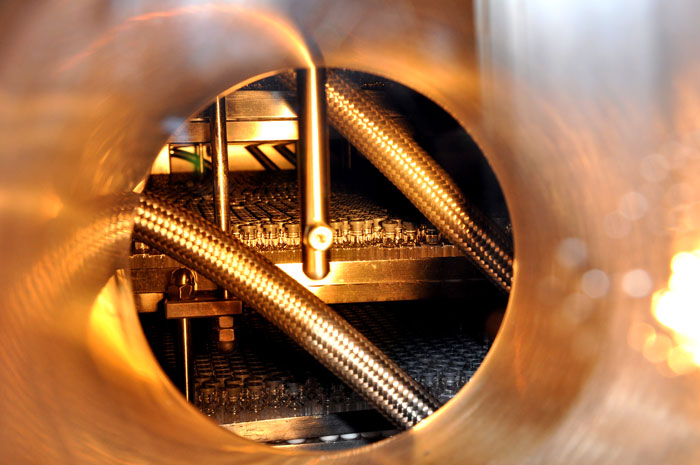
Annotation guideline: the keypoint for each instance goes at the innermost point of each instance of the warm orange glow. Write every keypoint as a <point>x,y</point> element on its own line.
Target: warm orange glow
<point>678,308</point>
<point>45,205</point>
<point>270,22</point>
<point>116,349</point>
<point>162,163</point>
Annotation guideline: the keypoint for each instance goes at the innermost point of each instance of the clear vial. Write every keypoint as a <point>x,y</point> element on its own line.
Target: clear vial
<point>232,406</point>
<point>256,400</point>
<point>389,227</point>
<point>421,232</point>
<point>294,407</point>
<point>337,232</point>
<point>198,382</point>
<point>465,374</point>
<point>449,384</point>
<point>377,229</point>
<point>270,236</point>
<point>312,401</point>
<point>259,233</point>
<point>399,230</point>
<point>280,222</point>
<point>235,230</point>
<point>274,406</point>
<point>316,401</point>
<point>357,230</point>
<point>293,233</point>
<point>368,235</point>
<point>345,231</point>
<point>431,236</point>
<point>429,380</point>
<point>410,234</point>
<point>249,234</point>
<point>207,400</point>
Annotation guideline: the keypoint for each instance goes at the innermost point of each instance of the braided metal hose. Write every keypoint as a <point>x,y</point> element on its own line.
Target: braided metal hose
<point>392,150</point>
<point>287,304</point>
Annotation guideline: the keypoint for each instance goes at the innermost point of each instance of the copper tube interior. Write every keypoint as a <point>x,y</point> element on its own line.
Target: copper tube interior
<point>582,110</point>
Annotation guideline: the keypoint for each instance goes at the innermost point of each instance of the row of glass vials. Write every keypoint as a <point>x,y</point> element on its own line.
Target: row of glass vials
<point>234,398</point>
<point>264,213</point>
<point>274,233</point>
<point>267,376</point>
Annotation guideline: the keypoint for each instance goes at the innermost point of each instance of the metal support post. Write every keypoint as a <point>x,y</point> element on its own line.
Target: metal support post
<point>314,175</point>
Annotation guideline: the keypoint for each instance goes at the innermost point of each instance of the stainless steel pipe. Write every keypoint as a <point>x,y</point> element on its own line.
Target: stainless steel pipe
<point>219,155</point>
<point>219,158</point>
<point>287,304</point>
<point>184,329</point>
<point>314,175</point>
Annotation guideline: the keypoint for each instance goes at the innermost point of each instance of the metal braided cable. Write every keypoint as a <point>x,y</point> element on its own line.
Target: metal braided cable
<point>394,152</point>
<point>287,304</point>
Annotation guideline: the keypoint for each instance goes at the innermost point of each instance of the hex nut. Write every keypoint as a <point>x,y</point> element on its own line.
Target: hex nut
<point>182,292</point>
<point>182,284</point>
<point>226,322</point>
<point>226,335</point>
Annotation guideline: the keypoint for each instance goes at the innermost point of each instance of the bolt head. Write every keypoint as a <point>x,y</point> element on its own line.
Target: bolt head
<point>182,276</point>
<point>320,238</point>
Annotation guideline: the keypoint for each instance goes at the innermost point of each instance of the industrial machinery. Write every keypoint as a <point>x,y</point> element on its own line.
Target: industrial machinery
<point>383,250</point>
<point>587,112</point>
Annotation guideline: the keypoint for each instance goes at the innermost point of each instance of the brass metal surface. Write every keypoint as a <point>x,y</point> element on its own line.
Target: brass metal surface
<point>219,147</point>
<point>283,301</point>
<point>201,306</point>
<point>367,274</point>
<point>255,116</point>
<point>185,355</point>
<point>587,111</point>
<point>311,426</point>
<point>239,131</point>
<point>220,165</point>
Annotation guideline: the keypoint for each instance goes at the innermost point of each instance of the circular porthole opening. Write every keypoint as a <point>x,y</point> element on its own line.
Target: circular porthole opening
<point>395,276</point>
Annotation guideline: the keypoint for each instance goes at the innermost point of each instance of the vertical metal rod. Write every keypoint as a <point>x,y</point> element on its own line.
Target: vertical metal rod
<point>185,330</point>
<point>313,169</point>
<point>219,158</point>
<point>199,150</point>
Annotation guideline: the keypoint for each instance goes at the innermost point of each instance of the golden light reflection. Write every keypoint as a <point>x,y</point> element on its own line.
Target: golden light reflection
<point>271,23</point>
<point>678,308</point>
<point>295,271</point>
<point>107,335</point>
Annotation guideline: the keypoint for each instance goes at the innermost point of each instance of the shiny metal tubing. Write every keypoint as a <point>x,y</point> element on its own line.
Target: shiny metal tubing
<point>219,155</point>
<point>86,86</point>
<point>185,333</point>
<point>394,152</point>
<point>392,149</point>
<point>219,147</point>
<point>314,174</point>
<point>288,305</point>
